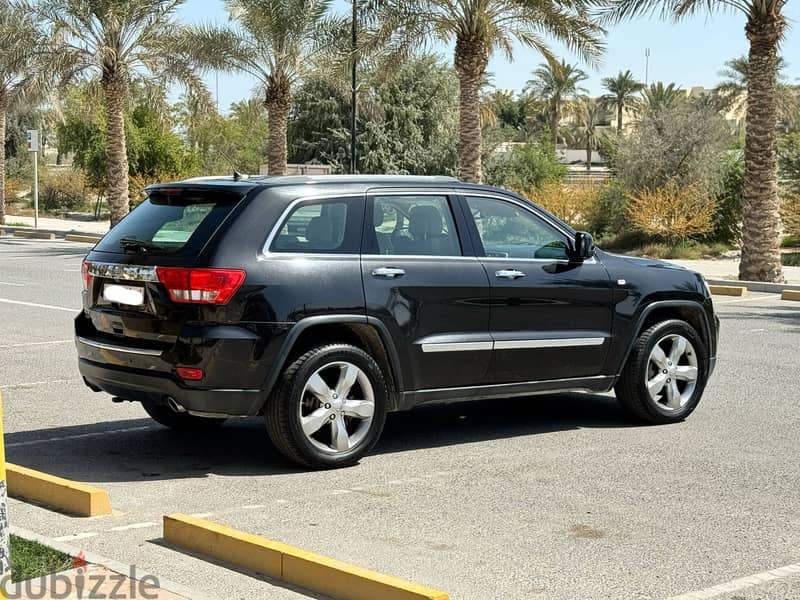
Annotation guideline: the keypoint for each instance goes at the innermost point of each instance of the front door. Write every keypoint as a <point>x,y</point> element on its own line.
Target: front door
<point>550,317</point>
<point>422,280</point>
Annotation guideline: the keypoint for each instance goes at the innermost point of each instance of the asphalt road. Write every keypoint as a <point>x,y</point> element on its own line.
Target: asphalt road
<point>553,497</point>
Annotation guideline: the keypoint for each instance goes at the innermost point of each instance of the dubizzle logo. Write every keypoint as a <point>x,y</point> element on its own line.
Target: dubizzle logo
<point>102,584</point>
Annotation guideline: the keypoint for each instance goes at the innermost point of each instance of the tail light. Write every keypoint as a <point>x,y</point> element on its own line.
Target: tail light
<point>189,373</point>
<point>201,286</point>
<point>87,276</point>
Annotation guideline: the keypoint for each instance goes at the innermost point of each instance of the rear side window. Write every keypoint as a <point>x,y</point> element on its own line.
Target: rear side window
<point>326,226</point>
<point>178,222</point>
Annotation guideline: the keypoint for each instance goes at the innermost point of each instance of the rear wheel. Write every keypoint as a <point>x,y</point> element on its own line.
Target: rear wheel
<point>164,415</point>
<point>330,407</point>
<point>665,375</point>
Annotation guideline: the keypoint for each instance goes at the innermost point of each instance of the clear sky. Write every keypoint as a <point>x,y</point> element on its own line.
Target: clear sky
<point>689,53</point>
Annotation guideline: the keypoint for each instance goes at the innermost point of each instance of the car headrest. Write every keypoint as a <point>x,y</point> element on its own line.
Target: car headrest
<point>424,221</point>
<point>319,230</point>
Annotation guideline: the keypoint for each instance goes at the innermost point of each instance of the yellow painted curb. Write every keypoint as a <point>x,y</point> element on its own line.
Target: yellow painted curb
<point>36,235</point>
<point>61,494</point>
<point>790,295</point>
<point>304,569</point>
<point>75,237</point>
<point>728,290</point>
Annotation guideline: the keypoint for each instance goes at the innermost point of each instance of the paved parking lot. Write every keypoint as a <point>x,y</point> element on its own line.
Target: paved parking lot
<point>554,497</point>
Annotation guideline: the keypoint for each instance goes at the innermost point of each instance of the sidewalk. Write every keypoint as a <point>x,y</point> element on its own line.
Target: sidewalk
<point>62,225</point>
<point>728,268</point>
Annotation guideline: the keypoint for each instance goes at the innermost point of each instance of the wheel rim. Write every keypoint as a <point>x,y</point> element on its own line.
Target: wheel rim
<point>337,407</point>
<point>672,372</point>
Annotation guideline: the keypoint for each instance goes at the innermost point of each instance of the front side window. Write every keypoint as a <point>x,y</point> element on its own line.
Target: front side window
<point>414,225</point>
<point>509,231</point>
<point>318,227</point>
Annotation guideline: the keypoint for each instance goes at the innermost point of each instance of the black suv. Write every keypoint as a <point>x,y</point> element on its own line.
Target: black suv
<point>323,303</point>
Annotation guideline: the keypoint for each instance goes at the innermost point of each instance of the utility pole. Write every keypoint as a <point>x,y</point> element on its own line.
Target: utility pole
<point>646,66</point>
<point>353,75</point>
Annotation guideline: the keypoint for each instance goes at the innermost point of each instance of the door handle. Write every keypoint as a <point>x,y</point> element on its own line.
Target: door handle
<point>509,274</point>
<point>388,272</point>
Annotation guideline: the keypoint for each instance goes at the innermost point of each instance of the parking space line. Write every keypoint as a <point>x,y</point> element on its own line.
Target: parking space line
<point>15,386</point>
<point>12,284</point>
<point>79,436</point>
<point>750,299</point>
<point>741,583</point>
<point>76,536</point>
<point>22,345</point>
<point>37,305</point>
<point>134,526</point>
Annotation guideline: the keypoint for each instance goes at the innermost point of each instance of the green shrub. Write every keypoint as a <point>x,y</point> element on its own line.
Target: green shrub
<point>60,191</point>
<point>728,214</point>
<point>608,217</point>
<point>524,167</point>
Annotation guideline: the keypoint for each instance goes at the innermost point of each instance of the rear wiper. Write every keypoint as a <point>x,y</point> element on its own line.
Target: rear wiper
<point>141,245</point>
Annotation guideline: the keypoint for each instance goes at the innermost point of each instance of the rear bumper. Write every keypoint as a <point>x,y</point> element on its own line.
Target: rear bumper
<point>139,386</point>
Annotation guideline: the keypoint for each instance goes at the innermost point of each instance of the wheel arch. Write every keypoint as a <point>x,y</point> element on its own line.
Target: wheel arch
<point>363,332</point>
<point>685,310</point>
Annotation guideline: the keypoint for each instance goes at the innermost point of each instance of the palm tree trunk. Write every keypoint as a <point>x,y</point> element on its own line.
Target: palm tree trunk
<point>471,58</point>
<point>278,101</point>
<point>555,117</point>
<point>620,107</point>
<point>3,111</point>
<point>761,259</point>
<point>115,91</point>
<point>588,154</point>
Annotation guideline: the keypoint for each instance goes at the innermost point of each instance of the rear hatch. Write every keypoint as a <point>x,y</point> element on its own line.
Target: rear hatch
<point>145,279</point>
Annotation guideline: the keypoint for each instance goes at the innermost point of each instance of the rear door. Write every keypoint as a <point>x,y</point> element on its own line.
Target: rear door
<point>171,228</point>
<point>423,282</point>
<point>550,317</point>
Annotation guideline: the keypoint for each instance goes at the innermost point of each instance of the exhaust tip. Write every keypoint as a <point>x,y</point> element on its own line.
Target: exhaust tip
<point>174,406</point>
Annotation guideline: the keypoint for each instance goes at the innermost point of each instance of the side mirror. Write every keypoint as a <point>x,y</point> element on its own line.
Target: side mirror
<point>583,245</point>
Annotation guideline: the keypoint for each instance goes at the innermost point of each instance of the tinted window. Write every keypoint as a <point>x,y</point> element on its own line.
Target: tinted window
<point>324,227</point>
<point>414,225</point>
<point>178,222</point>
<point>509,231</point>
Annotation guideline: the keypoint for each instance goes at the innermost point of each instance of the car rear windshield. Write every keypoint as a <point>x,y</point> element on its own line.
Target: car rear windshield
<point>174,221</point>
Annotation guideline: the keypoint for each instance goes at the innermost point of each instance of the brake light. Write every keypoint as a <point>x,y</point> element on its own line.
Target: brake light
<point>189,374</point>
<point>201,286</point>
<point>87,276</point>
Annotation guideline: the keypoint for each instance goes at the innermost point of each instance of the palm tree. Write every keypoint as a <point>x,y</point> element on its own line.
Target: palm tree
<point>589,114</point>
<point>765,28</point>
<point>660,96</point>
<point>556,83</point>
<point>479,28</point>
<point>21,38</point>
<point>621,92</point>
<point>119,41</point>
<point>731,92</point>
<point>275,42</point>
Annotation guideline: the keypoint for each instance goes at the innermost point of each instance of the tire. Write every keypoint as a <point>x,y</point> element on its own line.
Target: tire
<point>308,395</point>
<point>646,364</point>
<point>180,421</point>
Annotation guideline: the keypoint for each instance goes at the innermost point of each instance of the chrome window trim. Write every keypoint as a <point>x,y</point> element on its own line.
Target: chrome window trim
<point>123,272</point>
<point>565,261</point>
<point>115,348</point>
<point>398,257</point>
<point>511,344</point>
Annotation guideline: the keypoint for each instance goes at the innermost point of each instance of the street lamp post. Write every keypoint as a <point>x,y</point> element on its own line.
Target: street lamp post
<point>353,75</point>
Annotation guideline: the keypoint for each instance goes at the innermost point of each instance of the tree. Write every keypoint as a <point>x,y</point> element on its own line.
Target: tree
<point>274,42</point>
<point>660,96</point>
<point>117,40</point>
<point>731,92</point>
<point>622,91</point>
<point>479,28</point>
<point>556,83</point>
<point>765,28</point>
<point>589,114</point>
<point>21,38</point>
<point>525,166</point>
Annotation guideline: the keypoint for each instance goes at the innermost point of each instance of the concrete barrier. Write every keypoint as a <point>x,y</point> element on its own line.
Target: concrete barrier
<point>54,492</point>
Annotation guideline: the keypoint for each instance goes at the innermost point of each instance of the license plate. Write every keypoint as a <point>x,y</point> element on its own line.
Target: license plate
<point>124,294</point>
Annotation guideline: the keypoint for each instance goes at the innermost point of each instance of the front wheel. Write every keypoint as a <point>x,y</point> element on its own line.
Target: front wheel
<point>665,375</point>
<point>330,407</point>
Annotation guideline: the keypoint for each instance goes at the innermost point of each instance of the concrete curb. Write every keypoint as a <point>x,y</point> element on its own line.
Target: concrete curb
<point>88,238</point>
<point>113,565</point>
<point>790,295</point>
<point>756,286</point>
<point>62,494</point>
<point>35,235</point>
<point>58,233</point>
<point>727,290</point>
<point>297,567</point>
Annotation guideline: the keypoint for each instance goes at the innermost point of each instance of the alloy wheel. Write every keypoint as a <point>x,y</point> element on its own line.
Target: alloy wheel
<point>672,372</point>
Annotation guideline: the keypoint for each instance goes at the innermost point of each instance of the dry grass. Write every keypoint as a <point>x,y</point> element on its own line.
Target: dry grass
<point>673,212</point>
